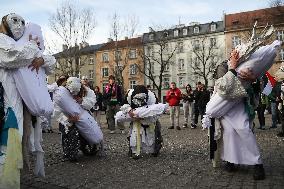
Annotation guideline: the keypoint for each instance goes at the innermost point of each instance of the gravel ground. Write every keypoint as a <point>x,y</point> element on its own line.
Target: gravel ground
<point>183,163</point>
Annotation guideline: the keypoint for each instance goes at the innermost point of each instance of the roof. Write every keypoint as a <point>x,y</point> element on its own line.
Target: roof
<point>133,42</point>
<point>243,20</point>
<point>203,29</point>
<point>86,50</point>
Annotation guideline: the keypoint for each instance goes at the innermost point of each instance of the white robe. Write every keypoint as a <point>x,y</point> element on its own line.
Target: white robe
<point>239,142</point>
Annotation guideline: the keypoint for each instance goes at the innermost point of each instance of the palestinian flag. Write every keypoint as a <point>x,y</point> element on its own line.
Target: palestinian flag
<point>271,82</point>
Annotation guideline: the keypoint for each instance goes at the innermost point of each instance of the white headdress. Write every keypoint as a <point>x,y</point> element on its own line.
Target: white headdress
<point>73,84</point>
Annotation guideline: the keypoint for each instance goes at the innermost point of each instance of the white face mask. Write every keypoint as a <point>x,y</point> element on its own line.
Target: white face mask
<point>16,24</point>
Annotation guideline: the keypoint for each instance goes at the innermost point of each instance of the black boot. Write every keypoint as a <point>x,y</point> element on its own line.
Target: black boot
<point>259,173</point>
<point>230,167</point>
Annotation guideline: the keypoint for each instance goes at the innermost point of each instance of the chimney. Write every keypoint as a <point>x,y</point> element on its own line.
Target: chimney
<point>125,37</point>
<point>109,40</point>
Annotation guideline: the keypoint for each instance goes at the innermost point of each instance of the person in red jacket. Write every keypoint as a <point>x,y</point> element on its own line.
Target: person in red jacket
<point>173,97</point>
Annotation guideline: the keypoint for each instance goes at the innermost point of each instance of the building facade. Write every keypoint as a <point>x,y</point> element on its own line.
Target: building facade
<point>238,28</point>
<point>196,50</point>
<point>117,57</point>
<point>77,62</point>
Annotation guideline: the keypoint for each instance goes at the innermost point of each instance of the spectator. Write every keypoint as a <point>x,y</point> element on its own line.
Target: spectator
<point>98,106</point>
<point>173,97</point>
<point>113,98</point>
<point>195,111</point>
<point>204,97</point>
<point>187,104</point>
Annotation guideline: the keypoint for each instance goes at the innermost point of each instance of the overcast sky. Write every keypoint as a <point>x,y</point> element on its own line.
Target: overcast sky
<point>149,12</point>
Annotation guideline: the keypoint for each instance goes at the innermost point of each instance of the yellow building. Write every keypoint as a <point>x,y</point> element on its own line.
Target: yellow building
<point>238,28</point>
<point>122,55</point>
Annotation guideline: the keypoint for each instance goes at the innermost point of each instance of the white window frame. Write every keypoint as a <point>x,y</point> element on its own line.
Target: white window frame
<point>132,53</point>
<point>281,55</point>
<point>167,67</point>
<point>196,44</point>
<point>151,37</point>
<point>105,57</point>
<point>181,64</point>
<point>280,35</point>
<point>181,81</point>
<point>104,72</point>
<point>118,55</point>
<point>132,84</point>
<point>176,32</point>
<point>196,29</point>
<point>91,74</point>
<point>211,40</point>
<point>91,61</point>
<point>132,69</point>
<point>180,47</point>
<point>184,31</point>
<point>213,27</point>
<point>166,82</point>
<point>236,40</point>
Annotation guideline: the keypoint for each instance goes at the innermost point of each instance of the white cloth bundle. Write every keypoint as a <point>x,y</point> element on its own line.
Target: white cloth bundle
<point>149,113</point>
<point>31,85</point>
<point>86,124</point>
<point>259,62</point>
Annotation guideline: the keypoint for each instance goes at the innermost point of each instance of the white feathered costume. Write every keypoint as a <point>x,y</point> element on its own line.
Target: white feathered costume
<point>146,113</point>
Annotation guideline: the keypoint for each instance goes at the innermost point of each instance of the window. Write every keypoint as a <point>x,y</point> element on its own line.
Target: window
<point>181,81</point>
<point>105,72</point>
<point>151,37</point>
<point>212,42</point>
<point>132,53</point>
<point>167,67</point>
<point>132,84</point>
<point>181,64</point>
<point>150,51</point>
<point>57,64</point>
<point>282,55</point>
<point>105,57</point>
<point>151,67</point>
<point>117,55</point>
<point>91,61</point>
<point>213,27</point>
<point>166,83</point>
<point>180,47</point>
<point>196,29</point>
<point>91,74</point>
<point>236,41</point>
<point>118,68</point>
<point>166,34</point>
<point>175,33</point>
<point>280,35</point>
<point>184,31</point>
<point>196,45</point>
<point>132,69</point>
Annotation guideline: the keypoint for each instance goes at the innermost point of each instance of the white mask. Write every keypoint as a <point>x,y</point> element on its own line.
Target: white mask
<point>16,24</point>
<point>73,84</point>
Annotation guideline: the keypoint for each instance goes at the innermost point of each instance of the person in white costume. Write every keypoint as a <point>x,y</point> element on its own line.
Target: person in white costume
<point>75,101</point>
<point>141,110</point>
<point>228,103</point>
<point>14,55</point>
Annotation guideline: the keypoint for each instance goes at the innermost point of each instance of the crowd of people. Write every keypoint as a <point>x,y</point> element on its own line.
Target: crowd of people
<point>26,112</point>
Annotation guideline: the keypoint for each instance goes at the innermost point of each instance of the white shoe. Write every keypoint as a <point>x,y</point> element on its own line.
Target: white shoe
<point>111,132</point>
<point>122,131</point>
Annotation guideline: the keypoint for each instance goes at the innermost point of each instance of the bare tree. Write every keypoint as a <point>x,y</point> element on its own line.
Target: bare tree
<point>73,26</point>
<point>276,3</point>
<point>117,29</point>
<point>161,55</point>
<point>205,58</point>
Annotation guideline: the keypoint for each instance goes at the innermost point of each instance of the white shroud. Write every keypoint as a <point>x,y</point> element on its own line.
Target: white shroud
<point>31,85</point>
<point>86,124</point>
